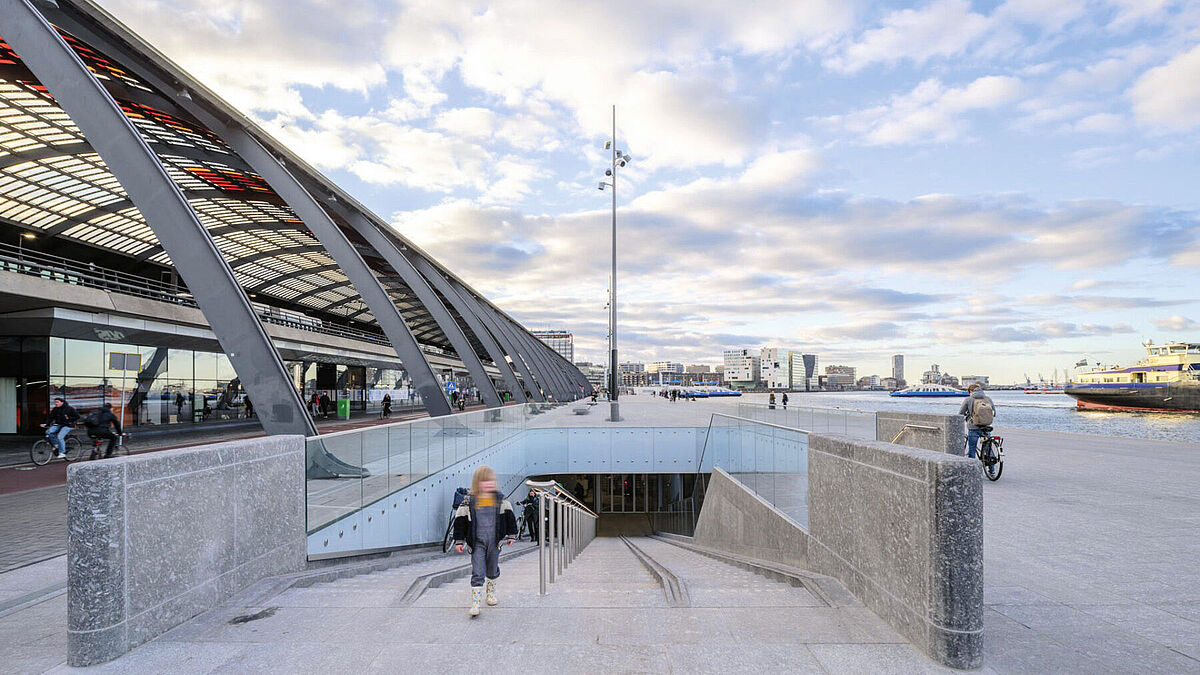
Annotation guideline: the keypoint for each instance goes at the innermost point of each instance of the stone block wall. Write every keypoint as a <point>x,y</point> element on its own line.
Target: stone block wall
<point>903,529</point>
<point>900,527</point>
<point>950,435</point>
<point>156,539</point>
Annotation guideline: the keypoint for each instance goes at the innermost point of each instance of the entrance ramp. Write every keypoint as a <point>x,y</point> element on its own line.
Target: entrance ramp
<point>624,524</point>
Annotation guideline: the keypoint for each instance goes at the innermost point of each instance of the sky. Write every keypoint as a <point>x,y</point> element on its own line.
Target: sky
<point>1002,188</point>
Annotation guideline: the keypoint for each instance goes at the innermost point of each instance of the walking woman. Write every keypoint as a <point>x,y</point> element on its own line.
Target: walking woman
<point>483,523</point>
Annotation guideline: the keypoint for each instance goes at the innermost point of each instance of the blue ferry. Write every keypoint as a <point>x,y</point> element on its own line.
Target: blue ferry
<point>929,390</point>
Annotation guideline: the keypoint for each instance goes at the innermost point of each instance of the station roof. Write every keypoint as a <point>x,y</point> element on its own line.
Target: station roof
<point>54,184</point>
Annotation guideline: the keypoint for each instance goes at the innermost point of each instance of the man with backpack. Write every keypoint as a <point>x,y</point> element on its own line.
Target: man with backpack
<point>979,411</point>
<point>99,424</point>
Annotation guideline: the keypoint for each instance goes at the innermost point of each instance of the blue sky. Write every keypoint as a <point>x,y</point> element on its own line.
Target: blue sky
<point>999,187</point>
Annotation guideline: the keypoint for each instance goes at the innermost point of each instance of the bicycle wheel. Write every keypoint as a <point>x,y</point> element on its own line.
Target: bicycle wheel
<point>41,452</point>
<point>449,536</point>
<point>74,448</point>
<point>993,466</point>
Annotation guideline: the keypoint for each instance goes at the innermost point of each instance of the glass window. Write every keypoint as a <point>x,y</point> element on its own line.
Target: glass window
<point>179,365</point>
<point>58,359</point>
<point>225,370</point>
<point>84,358</point>
<point>205,366</point>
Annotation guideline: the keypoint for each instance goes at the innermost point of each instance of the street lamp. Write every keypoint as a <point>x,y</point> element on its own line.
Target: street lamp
<point>619,160</point>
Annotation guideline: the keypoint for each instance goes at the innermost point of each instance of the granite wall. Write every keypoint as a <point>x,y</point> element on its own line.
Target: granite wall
<point>900,527</point>
<point>949,435</point>
<point>156,539</point>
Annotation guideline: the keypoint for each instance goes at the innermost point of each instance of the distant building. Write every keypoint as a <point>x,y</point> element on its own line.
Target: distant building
<point>869,382</point>
<point>890,383</point>
<point>637,378</point>
<point>935,376</point>
<point>594,372</point>
<point>741,368</point>
<point>664,367</point>
<point>840,377</point>
<point>698,369</point>
<point>810,375</point>
<point>631,367</point>
<point>898,367</point>
<point>560,341</point>
<point>981,380</point>
<point>780,368</point>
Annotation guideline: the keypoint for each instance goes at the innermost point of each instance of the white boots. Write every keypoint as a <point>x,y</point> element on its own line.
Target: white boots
<point>476,596</point>
<point>491,593</point>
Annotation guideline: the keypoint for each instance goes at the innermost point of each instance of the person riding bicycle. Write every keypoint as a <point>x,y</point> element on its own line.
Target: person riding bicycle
<point>979,411</point>
<point>99,425</point>
<point>387,405</point>
<point>59,422</point>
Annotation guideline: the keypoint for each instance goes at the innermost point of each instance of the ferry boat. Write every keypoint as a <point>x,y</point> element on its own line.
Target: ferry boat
<point>1168,379</point>
<point>929,390</point>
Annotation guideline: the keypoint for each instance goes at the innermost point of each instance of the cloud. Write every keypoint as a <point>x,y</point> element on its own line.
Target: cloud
<point>1168,97</point>
<point>1176,323</point>
<point>941,28</point>
<point>930,112</point>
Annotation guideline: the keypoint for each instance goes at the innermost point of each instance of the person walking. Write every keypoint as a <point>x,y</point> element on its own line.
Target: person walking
<point>483,523</point>
<point>387,405</point>
<point>59,422</point>
<point>324,400</point>
<point>784,399</point>
<point>771,401</point>
<point>179,405</point>
<point>249,407</point>
<point>979,410</point>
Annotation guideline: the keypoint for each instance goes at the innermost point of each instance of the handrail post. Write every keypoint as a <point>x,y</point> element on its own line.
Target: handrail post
<point>541,527</point>
<point>553,511</point>
<point>561,517</point>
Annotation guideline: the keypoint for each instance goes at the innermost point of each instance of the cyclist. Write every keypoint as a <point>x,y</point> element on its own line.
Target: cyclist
<point>979,411</point>
<point>387,405</point>
<point>59,422</point>
<point>99,425</point>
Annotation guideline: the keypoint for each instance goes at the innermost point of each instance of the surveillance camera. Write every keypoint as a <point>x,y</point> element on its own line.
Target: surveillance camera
<point>608,172</point>
<point>626,158</point>
<point>600,187</point>
<point>621,163</point>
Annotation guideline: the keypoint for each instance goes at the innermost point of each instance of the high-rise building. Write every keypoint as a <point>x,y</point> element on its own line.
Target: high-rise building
<point>561,341</point>
<point>811,376</point>
<point>898,367</point>
<point>741,368</point>
<point>784,369</point>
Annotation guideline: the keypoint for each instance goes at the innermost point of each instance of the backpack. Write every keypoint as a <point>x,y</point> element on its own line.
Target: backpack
<point>93,419</point>
<point>982,413</point>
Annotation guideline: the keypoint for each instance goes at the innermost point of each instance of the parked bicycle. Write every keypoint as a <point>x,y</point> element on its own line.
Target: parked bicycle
<point>991,454</point>
<point>447,539</point>
<point>43,450</point>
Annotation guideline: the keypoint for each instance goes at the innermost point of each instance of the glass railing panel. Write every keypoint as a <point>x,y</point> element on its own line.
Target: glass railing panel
<point>376,457</point>
<point>333,491</point>
<point>399,456</point>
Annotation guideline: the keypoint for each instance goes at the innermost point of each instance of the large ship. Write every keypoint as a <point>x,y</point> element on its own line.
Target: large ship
<point>1168,379</point>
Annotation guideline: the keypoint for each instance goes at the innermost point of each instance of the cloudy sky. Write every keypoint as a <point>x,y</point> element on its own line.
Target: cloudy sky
<point>998,187</point>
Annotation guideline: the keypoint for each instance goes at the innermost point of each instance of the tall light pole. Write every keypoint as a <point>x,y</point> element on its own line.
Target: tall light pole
<point>614,376</point>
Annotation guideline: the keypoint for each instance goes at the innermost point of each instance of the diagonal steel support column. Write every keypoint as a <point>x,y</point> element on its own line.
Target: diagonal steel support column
<point>433,304</point>
<point>540,379</point>
<point>166,211</point>
<point>503,338</point>
<point>536,349</point>
<point>387,315</point>
<point>443,286</point>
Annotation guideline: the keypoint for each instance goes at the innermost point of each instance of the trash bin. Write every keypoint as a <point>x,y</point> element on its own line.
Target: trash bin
<point>343,408</point>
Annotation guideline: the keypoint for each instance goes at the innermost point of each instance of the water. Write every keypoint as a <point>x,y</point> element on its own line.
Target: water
<point>1050,412</point>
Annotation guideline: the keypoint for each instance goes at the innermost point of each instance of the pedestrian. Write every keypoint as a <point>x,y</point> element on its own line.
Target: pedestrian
<point>59,422</point>
<point>387,405</point>
<point>531,510</point>
<point>771,400</point>
<point>249,407</point>
<point>979,411</point>
<point>483,523</point>
<point>785,400</point>
<point>179,405</point>
<point>324,400</point>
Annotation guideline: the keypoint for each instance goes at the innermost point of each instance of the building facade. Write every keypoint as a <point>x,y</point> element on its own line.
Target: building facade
<point>741,368</point>
<point>664,367</point>
<point>841,377</point>
<point>561,341</point>
<point>898,367</point>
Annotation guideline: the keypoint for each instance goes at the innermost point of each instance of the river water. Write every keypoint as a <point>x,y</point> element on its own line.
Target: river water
<point>1051,412</point>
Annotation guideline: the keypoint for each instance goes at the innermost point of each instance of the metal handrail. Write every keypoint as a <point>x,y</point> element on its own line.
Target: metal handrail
<point>778,406</point>
<point>906,427</point>
<point>747,419</point>
<point>572,522</point>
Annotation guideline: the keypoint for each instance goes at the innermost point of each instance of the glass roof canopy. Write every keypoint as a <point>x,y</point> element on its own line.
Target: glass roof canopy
<point>54,184</point>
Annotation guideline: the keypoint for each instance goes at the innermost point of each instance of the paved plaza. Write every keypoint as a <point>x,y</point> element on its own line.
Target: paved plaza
<point>1090,566</point>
